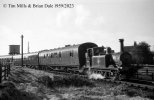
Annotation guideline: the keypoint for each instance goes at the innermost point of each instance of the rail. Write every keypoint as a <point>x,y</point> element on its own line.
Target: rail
<point>4,71</point>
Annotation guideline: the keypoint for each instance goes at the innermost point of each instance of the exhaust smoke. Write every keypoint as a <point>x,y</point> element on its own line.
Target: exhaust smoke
<point>96,76</point>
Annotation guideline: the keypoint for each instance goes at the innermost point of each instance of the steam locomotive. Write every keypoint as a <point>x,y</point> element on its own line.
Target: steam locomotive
<point>82,58</point>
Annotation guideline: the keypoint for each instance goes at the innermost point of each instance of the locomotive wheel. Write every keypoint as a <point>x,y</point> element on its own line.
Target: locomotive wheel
<point>105,74</point>
<point>65,69</point>
<point>114,76</point>
<point>120,77</point>
<point>85,71</point>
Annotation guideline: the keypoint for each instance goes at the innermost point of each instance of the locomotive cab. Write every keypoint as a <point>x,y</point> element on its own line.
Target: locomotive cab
<point>97,58</point>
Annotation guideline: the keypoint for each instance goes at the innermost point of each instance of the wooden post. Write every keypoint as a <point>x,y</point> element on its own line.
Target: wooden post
<point>22,50</point>
<point>0,72</point>
<point>5,71</point>
<point>147,71</point>
<point>152,76</point>
<point>137,75</point>
<point>9,67</point>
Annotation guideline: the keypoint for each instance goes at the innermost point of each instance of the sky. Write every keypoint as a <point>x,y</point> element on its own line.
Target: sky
<point>99,21</point>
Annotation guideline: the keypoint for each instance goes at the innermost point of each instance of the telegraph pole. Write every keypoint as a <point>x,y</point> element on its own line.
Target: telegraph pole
<point>22,50</point>
<point>28,47</point>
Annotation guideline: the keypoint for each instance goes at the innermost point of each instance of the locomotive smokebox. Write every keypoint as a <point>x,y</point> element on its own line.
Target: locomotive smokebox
<point>121,45</point>
<point>14,49</point>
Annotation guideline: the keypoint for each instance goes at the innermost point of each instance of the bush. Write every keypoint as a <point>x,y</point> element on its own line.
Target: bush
<point>64,81</point>
<point>8,91</point>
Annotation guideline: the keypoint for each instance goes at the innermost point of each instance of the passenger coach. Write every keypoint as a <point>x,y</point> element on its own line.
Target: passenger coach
<point>66,58</point>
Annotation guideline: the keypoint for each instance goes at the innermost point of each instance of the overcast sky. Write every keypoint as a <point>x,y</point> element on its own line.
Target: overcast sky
<point>100,21</point>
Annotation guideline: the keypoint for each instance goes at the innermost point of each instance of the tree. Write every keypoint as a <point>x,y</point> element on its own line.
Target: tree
<point>142,53</point>
<point>144,47</point>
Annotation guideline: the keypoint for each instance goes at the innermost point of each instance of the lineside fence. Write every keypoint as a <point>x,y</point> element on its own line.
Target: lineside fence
<point>4,71</point>
<point>145,72</point>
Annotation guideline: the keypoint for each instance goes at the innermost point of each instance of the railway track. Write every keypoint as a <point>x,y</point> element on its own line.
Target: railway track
<point>136,83</point>
<point>131,82</point>
<point>140,84</point>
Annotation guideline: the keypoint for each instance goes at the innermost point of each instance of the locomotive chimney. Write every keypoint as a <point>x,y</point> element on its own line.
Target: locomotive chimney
<point>121,45</point>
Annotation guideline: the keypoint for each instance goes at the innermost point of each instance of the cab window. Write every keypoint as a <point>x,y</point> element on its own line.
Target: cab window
<point>98,51</point>
<point>90,54</point>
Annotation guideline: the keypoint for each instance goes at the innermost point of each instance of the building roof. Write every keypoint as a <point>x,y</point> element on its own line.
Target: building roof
<point>129,48</point>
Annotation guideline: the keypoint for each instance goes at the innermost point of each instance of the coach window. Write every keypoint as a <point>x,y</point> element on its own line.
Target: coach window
<point>71,53</point>
<point>55,54</point>
<point>59,54</point>
<point>44,55</point>
<point>51,55</point>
